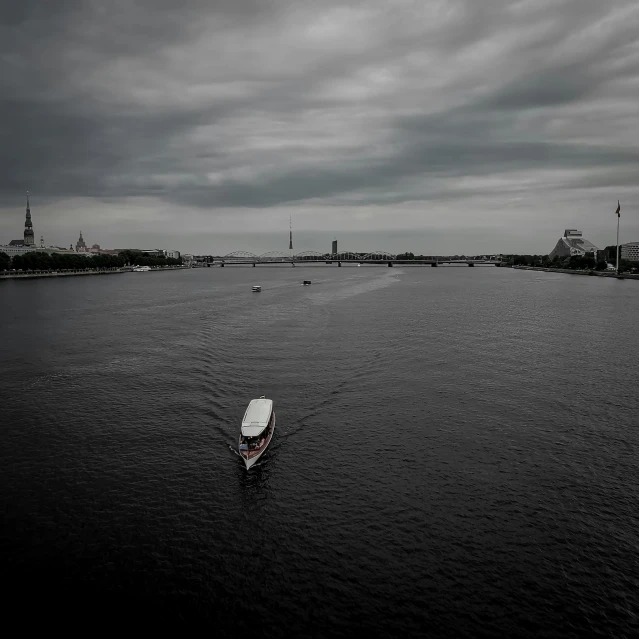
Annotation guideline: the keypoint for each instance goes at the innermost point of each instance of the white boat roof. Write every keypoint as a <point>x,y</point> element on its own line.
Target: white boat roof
<point>256,417</point>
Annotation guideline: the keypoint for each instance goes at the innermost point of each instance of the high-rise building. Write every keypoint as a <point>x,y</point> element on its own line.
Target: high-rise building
<point>334,247</point>
<point>28,227</point>
<point>630,251</point>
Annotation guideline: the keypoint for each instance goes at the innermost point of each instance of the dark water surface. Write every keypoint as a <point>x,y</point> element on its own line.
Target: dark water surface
<point>456,450</point>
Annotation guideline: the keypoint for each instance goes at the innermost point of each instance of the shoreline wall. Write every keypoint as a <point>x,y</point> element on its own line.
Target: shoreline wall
<point>44,274</point>
<point>625,276</point>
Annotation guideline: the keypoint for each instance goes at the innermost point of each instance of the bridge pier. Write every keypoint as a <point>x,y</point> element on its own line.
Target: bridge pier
<point>390,265</point>
<point>222,264</point>
<point>471,263</point>
<point>434,264</point>
<point>253,264</point>
<point>339,264</point>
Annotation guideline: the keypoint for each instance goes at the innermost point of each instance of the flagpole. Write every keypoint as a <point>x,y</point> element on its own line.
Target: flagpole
<point>618,218</point>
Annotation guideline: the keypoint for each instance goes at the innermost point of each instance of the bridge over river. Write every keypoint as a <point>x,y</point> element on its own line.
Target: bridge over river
<point>379,258</point>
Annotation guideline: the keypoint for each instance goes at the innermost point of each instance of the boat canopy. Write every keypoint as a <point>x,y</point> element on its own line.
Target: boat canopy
<point>256,417</point>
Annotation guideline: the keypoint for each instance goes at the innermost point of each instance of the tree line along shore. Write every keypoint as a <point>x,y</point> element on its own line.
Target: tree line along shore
<point>58,262</point>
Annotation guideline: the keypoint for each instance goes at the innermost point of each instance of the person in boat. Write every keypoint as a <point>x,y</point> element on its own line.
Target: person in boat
<point>255,443</point>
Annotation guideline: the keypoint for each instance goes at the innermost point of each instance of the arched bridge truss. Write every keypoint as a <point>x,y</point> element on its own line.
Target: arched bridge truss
<point>275,256</point>
<point>379,255</point>
<point>241,256</point>
<point>311,256</point>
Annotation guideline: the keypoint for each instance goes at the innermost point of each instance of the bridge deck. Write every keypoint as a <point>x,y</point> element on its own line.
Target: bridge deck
<point>236,261</point>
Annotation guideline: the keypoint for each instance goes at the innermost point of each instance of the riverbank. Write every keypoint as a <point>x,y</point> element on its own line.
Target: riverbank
<point>30,275</point>
<point>624,276</point>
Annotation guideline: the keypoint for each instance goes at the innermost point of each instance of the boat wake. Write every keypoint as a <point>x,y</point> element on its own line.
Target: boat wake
<point>234,450</point>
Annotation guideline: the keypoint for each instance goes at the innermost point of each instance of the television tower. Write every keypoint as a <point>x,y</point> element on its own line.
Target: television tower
<point>290,233</point>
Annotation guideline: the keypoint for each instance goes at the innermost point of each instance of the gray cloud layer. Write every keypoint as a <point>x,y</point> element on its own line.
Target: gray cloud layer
<point>383,108</point>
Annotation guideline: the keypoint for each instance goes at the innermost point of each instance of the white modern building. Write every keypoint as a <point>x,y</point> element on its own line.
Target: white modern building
<point>62,251</point>
<point>12,250</point>
<point>630,251</point>
<point>17,249</point>
<point>572,243</point>
<point>174,254</point>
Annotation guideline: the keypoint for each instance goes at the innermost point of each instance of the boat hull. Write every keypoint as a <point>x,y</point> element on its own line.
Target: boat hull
<point>249,461</point>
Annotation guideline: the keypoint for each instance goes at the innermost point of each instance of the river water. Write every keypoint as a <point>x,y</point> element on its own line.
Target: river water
<point>456,450</point>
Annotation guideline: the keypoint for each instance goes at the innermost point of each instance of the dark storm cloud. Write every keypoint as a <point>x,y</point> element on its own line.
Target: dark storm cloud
<point>260,104</point>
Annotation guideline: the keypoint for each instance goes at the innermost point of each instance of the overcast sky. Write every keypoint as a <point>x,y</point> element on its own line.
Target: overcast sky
<point>460,126</point>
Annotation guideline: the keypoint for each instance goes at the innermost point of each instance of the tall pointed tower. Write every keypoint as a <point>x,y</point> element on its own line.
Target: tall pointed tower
<point>28,227</point>
<point>290,243</point>
<point>80,245</point>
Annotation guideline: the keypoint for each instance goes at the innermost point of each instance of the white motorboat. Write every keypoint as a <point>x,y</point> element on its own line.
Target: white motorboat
<point>258,426</point>
<point>257,289</point>
<point>142,269</point>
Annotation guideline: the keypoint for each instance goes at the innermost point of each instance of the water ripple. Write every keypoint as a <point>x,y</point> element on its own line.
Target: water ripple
<point>453,452</point>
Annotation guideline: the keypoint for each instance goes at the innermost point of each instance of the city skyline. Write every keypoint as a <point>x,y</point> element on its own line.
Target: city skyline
<point>429,127</point>
<point>312,242</point>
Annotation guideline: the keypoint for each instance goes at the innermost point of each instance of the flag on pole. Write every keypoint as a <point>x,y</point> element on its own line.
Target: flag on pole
<point>618,211</point>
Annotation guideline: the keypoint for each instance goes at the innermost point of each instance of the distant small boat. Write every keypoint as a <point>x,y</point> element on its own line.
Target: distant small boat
<point>258,426</point>
<point>142,269</point>
<point>307,282</point>
<point>257,289</point>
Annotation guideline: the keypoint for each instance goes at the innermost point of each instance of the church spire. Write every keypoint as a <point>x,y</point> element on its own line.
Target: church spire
<point>290,223</point>
<point>28,226</point>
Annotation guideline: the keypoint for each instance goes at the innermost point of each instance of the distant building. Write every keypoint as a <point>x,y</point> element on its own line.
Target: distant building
<point>630,251</point>
<point>27,243</point>
<point>28,227</point>
<point>174,254</point>
<point>150,252</point>
<point>17,249</point>
<point>334,247</point>
<point>13,250</point>
<point>80,245</point>
<point>64,251</point>
<point>572,243</point>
